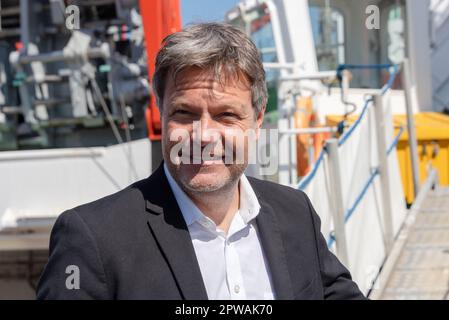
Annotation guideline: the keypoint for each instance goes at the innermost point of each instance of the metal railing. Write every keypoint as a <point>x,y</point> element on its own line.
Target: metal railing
<point>330,151</point>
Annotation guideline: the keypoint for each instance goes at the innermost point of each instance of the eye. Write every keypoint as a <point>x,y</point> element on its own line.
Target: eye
<point>227,115</point>
<point>182,112</point>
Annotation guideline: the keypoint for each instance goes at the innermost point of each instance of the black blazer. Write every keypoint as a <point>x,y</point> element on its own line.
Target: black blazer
<point>134,244</point>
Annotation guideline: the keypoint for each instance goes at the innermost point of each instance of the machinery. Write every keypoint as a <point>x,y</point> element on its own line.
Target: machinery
<point>75,73</point>
<point>77,116</point>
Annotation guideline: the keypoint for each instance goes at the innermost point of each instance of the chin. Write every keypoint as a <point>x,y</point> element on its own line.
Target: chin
<point>209,178</point>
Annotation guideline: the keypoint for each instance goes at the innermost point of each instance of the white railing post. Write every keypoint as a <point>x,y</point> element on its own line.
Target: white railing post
<point>383,171</point>
<point>337,200</point>
<point>412,142</point>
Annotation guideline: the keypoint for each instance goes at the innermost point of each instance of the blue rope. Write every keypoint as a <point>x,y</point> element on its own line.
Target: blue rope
<point>356,203</point>
<point>395,141</point>
<point>390,82</point>
<point>342,67</point>
<point>385,89</point>
<point>346,135</point>
<point>308,178</point>
<point>350,212</point>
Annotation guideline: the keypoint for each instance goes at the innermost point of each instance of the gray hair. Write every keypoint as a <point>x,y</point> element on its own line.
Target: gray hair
<point>213,47</point>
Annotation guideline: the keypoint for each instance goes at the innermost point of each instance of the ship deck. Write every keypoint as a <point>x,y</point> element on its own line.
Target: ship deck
<point>418,266</point>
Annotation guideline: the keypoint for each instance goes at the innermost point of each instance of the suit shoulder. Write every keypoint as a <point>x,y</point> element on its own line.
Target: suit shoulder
<point>109,207</point>
<point>271,190</point>
<point>287,202</point>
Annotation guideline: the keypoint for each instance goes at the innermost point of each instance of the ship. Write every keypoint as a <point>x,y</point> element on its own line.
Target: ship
<point>358,96</point>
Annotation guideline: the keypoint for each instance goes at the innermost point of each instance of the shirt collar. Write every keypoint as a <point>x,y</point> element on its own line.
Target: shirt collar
<point>249,204</point>
<point>189,210</point>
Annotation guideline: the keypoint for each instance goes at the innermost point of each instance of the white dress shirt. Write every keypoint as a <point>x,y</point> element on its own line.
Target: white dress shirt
<point>233,265</point>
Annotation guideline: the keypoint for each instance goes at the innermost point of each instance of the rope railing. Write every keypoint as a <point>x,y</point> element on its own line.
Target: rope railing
<point>375,172</point>
<point>384,90</point>
<point>305,181</point>
<point>368,184</point>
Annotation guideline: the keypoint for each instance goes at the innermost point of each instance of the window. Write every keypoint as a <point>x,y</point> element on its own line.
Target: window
<point>257,24</point>
<point>262,34</point>
<point>396,32</point>
<point>328,27</point>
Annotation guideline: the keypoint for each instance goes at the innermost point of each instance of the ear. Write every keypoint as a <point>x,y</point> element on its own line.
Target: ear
<point>259,120</point>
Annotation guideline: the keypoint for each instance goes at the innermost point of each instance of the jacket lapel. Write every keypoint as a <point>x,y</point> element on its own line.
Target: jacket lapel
<point>273,247</point>
<point>170,231</point>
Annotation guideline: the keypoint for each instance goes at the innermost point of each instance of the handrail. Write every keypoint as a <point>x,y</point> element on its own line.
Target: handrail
<point>370,181</point>
<point>308,178</point>
<point>384,90</point>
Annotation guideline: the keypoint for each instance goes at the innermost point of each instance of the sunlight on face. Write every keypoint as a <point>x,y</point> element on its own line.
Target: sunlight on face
<point>211,118</point>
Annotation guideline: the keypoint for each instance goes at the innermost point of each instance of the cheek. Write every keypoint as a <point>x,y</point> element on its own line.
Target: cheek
<point>236,142</point>
<point>174,129</point>
<point>173,134</point>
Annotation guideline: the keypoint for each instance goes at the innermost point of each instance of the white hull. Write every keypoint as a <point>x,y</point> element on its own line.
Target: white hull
<point>38,185</point>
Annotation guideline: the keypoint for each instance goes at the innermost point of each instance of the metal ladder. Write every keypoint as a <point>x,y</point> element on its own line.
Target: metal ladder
<point>418,266</point>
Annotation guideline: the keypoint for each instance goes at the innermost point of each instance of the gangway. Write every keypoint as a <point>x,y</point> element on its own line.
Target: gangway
<point>418,265</point>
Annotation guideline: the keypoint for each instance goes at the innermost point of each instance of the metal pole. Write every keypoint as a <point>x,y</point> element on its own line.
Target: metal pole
<point>285,145</point>
<point>383,171</point>
<point>62,55</point>
<point>345,84</point>
<point>311,130</point>
<point>337,200</point>
<point>412,142</point>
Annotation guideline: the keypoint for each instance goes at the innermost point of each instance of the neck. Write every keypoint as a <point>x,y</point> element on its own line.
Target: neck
<point>220,206</point>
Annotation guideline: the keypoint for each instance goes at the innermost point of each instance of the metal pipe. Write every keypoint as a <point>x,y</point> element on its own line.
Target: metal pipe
<point>277,33</point>
<point>308,130</point>
<point>310,76</point>
<point>56,56</point>
<point>412,141</point>
<point>277,65</point>
<point>52,154</point>
<point>383,171</point>
<point>336,195</point>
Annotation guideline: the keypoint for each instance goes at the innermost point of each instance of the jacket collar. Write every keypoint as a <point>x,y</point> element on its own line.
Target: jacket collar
<point>272,244</point>
<point>169,229</point>
<point>249,203</point>
<point>172,236</point>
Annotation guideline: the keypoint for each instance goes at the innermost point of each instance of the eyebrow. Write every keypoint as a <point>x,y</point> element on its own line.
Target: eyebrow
<point>181,104</point>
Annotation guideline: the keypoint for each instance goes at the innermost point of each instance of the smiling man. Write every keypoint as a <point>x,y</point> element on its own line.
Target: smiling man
<point>198,228</point>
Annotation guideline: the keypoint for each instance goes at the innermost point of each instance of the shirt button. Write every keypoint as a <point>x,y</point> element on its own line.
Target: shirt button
<point>236,288</point>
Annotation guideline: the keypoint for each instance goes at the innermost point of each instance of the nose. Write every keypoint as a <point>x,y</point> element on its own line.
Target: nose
<point>206,131</point>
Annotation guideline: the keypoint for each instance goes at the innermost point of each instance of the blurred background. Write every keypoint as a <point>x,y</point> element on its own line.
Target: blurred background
<point>358,102</point>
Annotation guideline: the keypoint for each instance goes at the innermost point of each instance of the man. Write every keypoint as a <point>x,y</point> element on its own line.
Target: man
<point>197,228</point>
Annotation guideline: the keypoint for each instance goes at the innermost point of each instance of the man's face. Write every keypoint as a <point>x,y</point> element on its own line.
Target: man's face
<point>212,116</point>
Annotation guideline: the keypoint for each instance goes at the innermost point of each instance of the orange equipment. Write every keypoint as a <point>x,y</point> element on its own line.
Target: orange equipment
<point>305,117</point>
<point>160,18</point>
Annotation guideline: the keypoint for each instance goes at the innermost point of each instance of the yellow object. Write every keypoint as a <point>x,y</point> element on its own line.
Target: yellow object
<point>432,133</point>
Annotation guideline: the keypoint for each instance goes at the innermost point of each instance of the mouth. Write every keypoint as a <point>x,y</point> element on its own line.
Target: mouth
<point>211,160</point>
<point>208,159</point>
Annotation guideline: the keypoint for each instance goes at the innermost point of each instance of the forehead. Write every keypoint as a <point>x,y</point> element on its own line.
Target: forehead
<point>204,84</point>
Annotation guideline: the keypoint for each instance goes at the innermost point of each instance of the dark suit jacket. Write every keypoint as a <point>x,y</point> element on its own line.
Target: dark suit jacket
<point>135,244</point>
